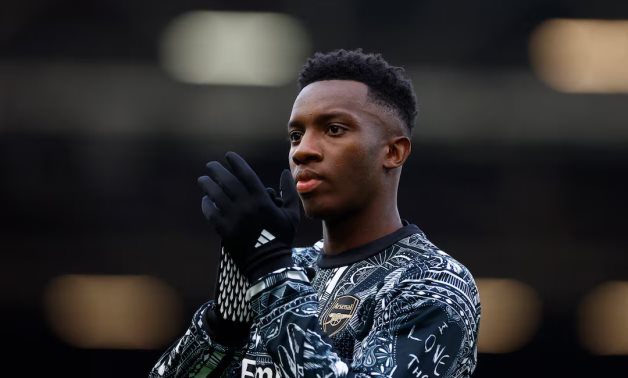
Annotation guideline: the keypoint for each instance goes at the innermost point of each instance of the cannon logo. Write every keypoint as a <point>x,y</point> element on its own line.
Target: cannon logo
<point>337,316</point>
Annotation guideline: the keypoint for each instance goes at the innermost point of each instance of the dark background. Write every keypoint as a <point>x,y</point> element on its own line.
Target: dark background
<point>98,168</point>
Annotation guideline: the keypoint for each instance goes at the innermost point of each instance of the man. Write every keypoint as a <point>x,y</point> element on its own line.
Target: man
<point>374,296</point>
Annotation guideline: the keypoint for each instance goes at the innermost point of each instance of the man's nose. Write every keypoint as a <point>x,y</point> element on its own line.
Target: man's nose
<point>308,149</point>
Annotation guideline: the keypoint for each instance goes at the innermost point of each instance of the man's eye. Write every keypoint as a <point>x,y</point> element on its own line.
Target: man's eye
<point>295,136</point>
<point>335,130</point>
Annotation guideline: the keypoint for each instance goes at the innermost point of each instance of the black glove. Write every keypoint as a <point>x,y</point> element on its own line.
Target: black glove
<point>257,226</point>
<point>229,319</point>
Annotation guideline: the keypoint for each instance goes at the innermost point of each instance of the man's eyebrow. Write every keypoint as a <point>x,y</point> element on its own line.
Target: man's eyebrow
<point>294,123</point>
<point>322,118</point>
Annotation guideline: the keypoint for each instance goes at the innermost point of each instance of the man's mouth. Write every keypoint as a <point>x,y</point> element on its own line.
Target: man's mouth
<point>307,180</point>
<point>306,186</point>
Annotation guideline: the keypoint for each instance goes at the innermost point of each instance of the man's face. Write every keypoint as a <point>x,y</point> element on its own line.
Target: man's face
<point>338,144</point>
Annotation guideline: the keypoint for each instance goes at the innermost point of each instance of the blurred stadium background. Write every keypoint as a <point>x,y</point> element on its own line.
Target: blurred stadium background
<point>109,111</point>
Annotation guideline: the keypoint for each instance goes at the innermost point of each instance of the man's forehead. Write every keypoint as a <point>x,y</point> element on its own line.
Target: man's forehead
<point>333,91</point>
<point>342,96</point>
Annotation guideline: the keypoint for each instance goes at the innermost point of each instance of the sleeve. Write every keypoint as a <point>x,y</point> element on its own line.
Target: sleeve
<point>196,353</point>
<point>413,334</point>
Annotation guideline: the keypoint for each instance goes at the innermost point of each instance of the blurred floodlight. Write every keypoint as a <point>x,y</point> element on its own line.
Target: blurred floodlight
<point>603,319</point>
<point>510,315</point>
<point>119,312</point>
<point>577,55</point>
<point>234,48</point>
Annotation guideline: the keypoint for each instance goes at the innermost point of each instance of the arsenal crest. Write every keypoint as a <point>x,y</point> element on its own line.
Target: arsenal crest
<point>338,314</point>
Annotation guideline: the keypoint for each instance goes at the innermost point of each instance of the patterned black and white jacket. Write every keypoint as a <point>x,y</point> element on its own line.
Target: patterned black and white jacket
<point>396,307</point>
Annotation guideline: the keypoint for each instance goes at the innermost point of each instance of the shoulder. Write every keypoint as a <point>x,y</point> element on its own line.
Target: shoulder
<point>427,283</point>
<point>427,261</point>
<point>432,274</point>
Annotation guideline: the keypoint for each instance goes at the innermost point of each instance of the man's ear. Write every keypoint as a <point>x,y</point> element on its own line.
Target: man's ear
<point>398,150</point>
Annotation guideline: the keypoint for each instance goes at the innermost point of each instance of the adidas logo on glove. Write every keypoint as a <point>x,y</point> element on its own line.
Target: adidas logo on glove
<point>264,238</point>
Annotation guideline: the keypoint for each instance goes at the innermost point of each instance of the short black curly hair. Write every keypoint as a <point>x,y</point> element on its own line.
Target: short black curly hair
<point>387,84</point>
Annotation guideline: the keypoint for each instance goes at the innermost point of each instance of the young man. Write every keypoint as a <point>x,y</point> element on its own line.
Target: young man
<point>374,296</point>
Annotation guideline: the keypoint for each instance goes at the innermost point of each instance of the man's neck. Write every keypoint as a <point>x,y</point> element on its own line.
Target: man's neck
<point>341,235</point>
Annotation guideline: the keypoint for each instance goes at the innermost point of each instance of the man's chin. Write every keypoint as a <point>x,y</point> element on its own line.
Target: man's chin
<point>320,212</point>
<point>314,211</point>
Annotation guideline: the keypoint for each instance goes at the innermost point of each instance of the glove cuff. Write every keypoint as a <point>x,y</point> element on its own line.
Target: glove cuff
<point>267,262</point>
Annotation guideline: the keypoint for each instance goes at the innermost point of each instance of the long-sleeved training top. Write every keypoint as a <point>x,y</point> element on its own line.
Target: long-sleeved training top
<point>395,307</point>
